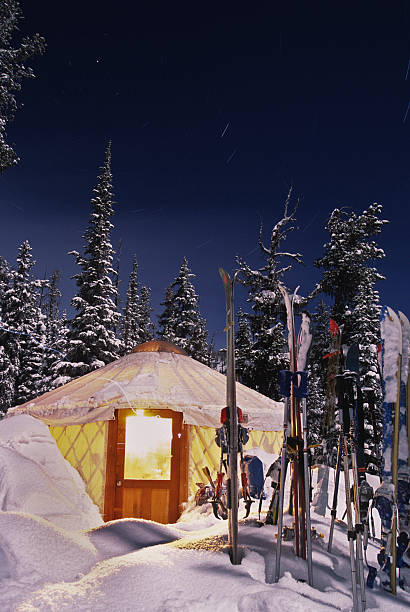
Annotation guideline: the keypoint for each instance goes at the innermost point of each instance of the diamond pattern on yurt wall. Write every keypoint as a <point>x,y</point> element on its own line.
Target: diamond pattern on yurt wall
<point>84,447</point>
<point>268,441</point>
<point>205,452</point>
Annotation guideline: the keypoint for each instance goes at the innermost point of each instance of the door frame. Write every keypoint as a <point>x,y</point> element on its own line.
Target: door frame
<point>115,465</point>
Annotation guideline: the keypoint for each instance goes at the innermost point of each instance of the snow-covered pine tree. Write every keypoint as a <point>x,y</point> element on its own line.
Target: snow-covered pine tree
<point>92,342</point>
<point>24,343</point>
<point>56,332</point>
<point>243,347</point>
<point>317,373</point>
<point>167,319</point>
<point>365,323</point>
<point>6,382</point>
<point>130,332</point>
<point>6,369</point>
<point>14,69</point>
<point>349,278</point>
<point>181,321</point>
<point>4,280</point>
<point>117,282</point>
<point>349,252</point>
<point>268,352</point>
<point>57,377</point>
<point>144,315</point>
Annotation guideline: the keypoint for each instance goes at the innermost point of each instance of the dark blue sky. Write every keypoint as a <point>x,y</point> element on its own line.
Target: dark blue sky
<point>213,111</point>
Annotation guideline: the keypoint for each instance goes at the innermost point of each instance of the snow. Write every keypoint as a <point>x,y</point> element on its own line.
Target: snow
<point>138,565</point>
<point>35,479</point>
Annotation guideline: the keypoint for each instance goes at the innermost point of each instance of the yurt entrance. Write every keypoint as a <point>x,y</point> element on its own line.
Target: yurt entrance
<point>150,459</point>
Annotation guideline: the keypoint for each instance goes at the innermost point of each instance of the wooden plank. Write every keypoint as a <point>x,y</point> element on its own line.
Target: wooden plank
<point>133,504</point>
<point>145,484</point>
<point>184,467</point>
<point>110,462</point>
<point>159,505</point>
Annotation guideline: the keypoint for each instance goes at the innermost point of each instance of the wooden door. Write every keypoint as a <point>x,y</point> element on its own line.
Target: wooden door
<point>147,477</point>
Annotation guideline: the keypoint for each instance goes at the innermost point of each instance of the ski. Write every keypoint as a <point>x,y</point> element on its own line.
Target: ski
<point>216,501</point>
<point>285,383</point>
<point>403,475</point>
<point>296,497</point>
<point>301,392</point>
<point>232,418</point>
<point>386,494</point>
<point>293,386</point>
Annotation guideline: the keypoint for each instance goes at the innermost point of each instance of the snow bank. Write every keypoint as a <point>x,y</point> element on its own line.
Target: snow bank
<point>36,479</point>
<point>123,536</point>
<point>47,569</point>
<point>34,549</point>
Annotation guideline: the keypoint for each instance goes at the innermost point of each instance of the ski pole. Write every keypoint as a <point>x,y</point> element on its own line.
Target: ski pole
<point>285,380</point>
<point>351,534</point>
<point>301,390</point>
<point>352,389</point>
<point>395,453</point>
<point>333,511</point>
<point>233,419</point>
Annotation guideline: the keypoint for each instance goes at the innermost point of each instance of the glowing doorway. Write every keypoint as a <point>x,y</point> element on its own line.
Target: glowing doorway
<point>147,448</point>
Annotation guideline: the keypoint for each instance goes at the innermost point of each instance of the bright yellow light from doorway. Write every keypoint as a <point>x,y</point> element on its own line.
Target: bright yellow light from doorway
<point>147,448</point>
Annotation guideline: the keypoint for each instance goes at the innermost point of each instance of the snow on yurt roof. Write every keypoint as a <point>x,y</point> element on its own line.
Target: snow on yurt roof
<point>155,376</point>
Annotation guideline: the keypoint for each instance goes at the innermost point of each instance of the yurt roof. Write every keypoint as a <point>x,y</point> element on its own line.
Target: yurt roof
<point>156,376</point>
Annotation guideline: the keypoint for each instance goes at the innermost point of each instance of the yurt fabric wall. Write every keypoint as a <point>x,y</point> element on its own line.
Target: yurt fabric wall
<point>84,447</point>
<point>205,452</point>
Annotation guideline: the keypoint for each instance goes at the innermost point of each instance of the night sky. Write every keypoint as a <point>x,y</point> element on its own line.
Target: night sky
<point>213,111</point>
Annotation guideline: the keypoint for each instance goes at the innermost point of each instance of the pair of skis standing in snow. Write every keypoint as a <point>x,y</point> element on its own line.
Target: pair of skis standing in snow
<point>295,446</point>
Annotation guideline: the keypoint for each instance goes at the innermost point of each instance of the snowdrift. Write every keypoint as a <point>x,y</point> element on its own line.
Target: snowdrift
<point>36,479</point>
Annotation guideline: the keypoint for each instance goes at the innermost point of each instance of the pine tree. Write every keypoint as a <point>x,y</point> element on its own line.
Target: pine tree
<point>117,282</point>
<point>365,322</point>
<point>55,348</point>
<point>349,278</point>
<point>130,335</point>
<point>317,373</point>
<point>243,347</point>
<point>92,342</point>
<point>13,69</point>
<point>268,351</point>
<point>144,315</point>
<point>4,280</point>
<point>57,376</point>
<point>347,256</point>
<point>167,320</point>
<point>6,368</point>
<point>181,322</point>
<point>6,381</point>
<point>24,342</point>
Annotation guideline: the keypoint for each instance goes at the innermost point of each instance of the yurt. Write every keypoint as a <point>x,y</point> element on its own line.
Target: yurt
<point>140,430</point>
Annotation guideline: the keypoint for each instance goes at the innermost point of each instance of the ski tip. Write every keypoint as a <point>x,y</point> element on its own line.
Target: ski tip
<point>403,319</point>
<point>224,275</point>
<point>394,318</point>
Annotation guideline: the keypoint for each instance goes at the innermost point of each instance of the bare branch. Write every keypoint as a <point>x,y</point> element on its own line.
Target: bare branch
<point>260,242</point>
